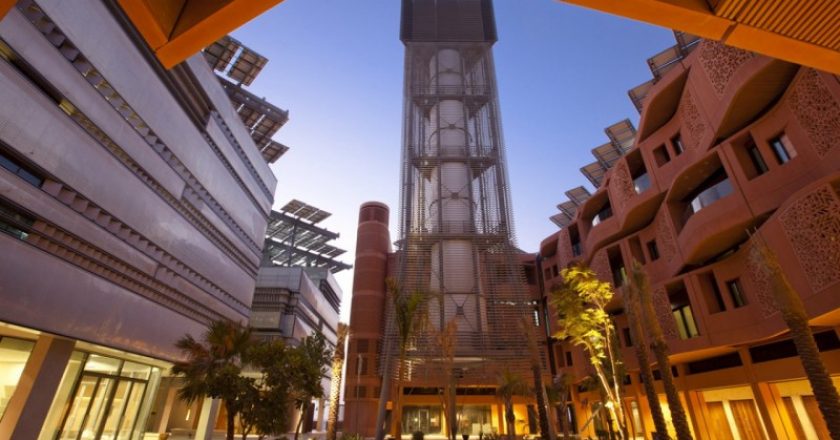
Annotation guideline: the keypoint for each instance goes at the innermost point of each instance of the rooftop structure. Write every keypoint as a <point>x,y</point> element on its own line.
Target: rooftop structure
<point>293,238</point>
<point>232,60</point>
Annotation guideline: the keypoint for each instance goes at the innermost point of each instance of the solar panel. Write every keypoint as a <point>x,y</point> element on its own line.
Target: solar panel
<point>578,195</point>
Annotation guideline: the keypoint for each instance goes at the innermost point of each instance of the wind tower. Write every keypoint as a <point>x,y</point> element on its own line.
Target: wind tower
<point>456,240</point>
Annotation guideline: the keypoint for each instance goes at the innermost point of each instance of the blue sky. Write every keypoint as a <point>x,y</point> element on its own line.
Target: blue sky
<point>563,73</point>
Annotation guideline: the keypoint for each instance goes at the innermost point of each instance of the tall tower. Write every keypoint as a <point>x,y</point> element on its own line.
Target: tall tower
<point>456,242</point>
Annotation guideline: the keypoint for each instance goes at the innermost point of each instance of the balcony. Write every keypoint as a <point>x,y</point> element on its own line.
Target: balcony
<point>641,183</point>
<point>706,198</point>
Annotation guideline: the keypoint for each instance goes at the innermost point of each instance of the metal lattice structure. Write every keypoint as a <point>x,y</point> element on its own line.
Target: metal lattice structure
<point>456,241</point>
<point>293,238</point>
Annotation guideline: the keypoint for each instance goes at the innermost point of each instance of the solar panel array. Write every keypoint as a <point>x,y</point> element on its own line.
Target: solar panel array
<point>233,59</point>
<point>294,239</point>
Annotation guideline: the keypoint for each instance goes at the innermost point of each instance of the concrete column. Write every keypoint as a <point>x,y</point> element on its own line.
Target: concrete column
<point>767,406</point>
<point>30,403</point>
<point>167,407</point>
<point>690,403</point>
<point>5,6</point>
<point>207,419</point>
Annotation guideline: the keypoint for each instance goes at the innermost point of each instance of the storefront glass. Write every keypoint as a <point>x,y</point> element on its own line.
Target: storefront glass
<point>475,420</point>
<point>101,398</point>
<point>426,419</point>
<point>13,356</point>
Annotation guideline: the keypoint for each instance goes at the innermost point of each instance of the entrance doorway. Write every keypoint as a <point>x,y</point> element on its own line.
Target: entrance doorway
<point>106,400</point>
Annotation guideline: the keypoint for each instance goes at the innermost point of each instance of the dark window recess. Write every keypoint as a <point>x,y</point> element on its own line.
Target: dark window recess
<point>603,214</point>
<point>676,141</point>
<point>14,222</point>
<point>714,298</point>
<point>730,360</point>
<point>619,273</point>
<point>628,340</point>
<point>30,73</point>
<point>783,149</point>
<point>569,359</point>
<point>660,154</point>
<point>826,340</point>
<point>653,251</point>
<point>558,355</point>
<point>574,237</point>
<point>736,293</point>
<point>627,379</point>
<point>19,169</point>
<point>759,167</point>
<point>554,270</point>
<point>636,250</point>
<point>657,375</point>
<point>531,275</point>
<point>361,391</point>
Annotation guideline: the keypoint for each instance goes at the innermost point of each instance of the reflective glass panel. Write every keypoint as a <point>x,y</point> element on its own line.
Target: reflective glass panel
<point>13,356</point>
<point>102,364</point>
<point>131,410</point>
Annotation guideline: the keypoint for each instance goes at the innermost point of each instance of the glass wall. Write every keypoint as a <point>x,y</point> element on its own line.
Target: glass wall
<point>101,398</point>
<point>426,419</point>
<point>13,356</point>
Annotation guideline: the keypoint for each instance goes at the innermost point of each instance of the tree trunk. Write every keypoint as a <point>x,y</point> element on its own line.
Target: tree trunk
<point>303,409</point>
<point>660,349</point>
<point>335,385</point>
<point>631,307</point>
<point>795,316</point>
<point>511,419</point>
<point>231,419</point>
<point>539,389</point>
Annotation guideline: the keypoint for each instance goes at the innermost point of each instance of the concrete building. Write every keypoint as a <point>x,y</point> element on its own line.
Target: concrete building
<point>456,248</point>
<point>133,208</point>
<point>730,143</point>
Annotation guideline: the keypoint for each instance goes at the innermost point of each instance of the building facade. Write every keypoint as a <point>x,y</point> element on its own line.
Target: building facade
<point>133,208</point>
<point>730,144</point>
<point>455,249</point>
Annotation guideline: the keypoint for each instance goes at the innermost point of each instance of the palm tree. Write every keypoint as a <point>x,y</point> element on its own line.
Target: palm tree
<point>214,365</point>
<point>510,384</point>
<point>631,307</point>
<point>793,313</point>
<point>527,328</point>
<point>557,395</point>
<point>641,285</point>
<point>335,385</point>
<point>408,320</point>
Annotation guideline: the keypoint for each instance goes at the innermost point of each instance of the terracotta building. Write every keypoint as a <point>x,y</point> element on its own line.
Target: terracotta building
<point>729,143</point>
<point>133,209</point>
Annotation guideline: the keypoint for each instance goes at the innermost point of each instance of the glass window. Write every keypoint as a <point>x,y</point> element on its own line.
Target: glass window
<point>101,364</point>
<point>783,149</point>
<point>52,425</point>
<point>422,418</point>
<point>641,183</point>
<point>136,371</point>
<point>686,326</point>
<point>14,223</point>
<point>14,353</point>
<point>714,188</point>
<point>737,294</point>
<point>603,214</point>
<point>757,160</point>
<point>676,141</point>
<point>14,167</point>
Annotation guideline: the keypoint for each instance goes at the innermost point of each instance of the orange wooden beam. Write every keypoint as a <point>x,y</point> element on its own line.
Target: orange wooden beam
<point>5,7</point>
<point>694,17</point>
<point>178,29</point>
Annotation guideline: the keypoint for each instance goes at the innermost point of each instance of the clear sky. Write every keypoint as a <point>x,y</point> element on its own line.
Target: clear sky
<point>563,74</point>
